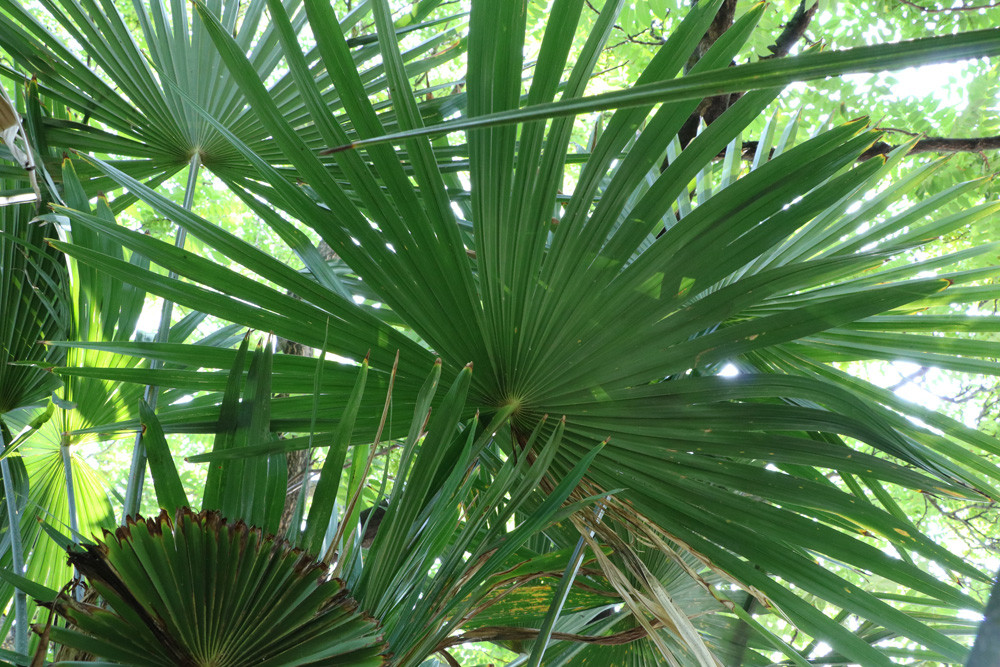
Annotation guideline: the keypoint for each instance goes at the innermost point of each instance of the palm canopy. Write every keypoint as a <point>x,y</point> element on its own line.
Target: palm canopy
<point>616,305</point>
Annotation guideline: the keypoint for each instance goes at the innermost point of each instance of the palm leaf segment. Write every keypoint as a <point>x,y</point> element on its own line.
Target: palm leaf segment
<point>196,590</point>
<point>35,307</point>
<point>445,549</point>
<point>34,303</point>
<point>94,308</point>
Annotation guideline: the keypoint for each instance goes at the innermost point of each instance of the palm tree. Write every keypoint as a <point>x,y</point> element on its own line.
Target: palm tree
<point>741,507</point>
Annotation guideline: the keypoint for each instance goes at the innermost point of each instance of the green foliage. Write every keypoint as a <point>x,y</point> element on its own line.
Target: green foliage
<point>471,552</point>
<point>610,280</point>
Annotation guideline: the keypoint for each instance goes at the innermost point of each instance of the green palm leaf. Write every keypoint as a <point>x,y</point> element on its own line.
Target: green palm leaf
<point>48,299</point>
<point>34,304</point>
<point>183,590</point>
<point>130,96</point>
<point>472,553</point>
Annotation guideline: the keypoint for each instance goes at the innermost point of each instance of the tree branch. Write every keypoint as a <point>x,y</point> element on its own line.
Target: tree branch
<point>794,30</point>
<point>944,145</point>
<point>938,145</point>
<point>963,8</point>
<point>712,107</point>
<point>721,23</point>
<point>709,108</point>
<point>450,659</point>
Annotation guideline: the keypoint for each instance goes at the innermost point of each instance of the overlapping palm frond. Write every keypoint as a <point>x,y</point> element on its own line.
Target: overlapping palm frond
<point>619,304</point>
<point>119,80</point>
<point>242,584</point>
<point>35,305</point>
<point>46,420</point>
<point>452,541</point>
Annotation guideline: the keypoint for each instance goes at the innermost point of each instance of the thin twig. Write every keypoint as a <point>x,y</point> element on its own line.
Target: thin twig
<point>381,452</point>
<point>907,379</point>
<point>945,145</point>
<point>963,8</point>
<point>629,38</point>
<point>496,633</point>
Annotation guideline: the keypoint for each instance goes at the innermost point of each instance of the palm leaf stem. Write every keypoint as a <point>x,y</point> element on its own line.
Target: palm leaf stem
<point>16,550</point>
<point>137,469</point>
<point>558,601</point>
<point>74,524</point>
<point>27,158</point>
